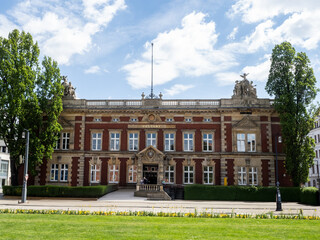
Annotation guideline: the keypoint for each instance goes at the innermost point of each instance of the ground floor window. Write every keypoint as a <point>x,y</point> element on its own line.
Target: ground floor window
<point>188,174</point>
<point>113,173</point>
<point>208,175</point>
<point>54,172</point>
<point>169,174</point>
<point>247,176</point>
<point>242,176</point>
<point>95,173</point>
<point>64,172</point>
<point>253,176</point>
<point>132,174</point>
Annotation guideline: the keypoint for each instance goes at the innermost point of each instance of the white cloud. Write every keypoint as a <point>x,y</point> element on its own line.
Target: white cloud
<point>226,78</point>
<point>185,51</point>
<point>6,26</point>
<point>65,28</point>
<point>255,11</point>
<point>176,89</point>
<point>93,69</point>
<point>259,72</point>
<point>232,35</point>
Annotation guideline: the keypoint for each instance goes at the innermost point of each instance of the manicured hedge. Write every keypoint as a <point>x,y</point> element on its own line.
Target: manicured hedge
<point>309,195</point>
<point>60,191</point>
<point>240,193</point>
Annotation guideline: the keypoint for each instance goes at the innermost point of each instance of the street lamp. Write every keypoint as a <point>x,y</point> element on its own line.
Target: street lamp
<point>25,174</point>
<point>278,196</point>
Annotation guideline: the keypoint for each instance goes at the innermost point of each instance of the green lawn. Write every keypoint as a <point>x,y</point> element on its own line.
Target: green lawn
<point>37,226</point>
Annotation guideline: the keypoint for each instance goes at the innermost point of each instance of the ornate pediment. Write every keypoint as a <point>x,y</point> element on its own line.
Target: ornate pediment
<point>151,154</point>
<point>65,123</point>
<point>151,117</point>
<point>246,123</point>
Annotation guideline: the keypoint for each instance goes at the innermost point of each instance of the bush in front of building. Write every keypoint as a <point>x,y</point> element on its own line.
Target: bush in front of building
<point>240,193</point>
<point>310,196</point>
<point>61,191</point>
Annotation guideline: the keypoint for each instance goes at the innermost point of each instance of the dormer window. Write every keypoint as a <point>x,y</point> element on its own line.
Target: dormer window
<point>134,119</point>
<point>97,119</point>
<point>169,120</point>
<point>207,119</point>
<point>115,120</point>
<point>188,119</point>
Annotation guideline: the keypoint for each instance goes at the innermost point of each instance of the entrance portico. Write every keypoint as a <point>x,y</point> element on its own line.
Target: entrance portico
<point>151,165</point>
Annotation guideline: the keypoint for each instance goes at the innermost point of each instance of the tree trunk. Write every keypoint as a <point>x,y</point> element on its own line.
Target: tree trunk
<point>14,172</point>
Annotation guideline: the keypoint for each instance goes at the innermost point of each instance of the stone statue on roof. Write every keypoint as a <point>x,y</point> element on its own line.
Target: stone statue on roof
<point>244,88</point>
<point>69,90</point>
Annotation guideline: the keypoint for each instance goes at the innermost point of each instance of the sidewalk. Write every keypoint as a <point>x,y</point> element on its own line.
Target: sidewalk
<point>123,200</point>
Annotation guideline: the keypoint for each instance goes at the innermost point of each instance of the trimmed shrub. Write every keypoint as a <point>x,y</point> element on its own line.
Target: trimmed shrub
<point>240,193</point>
<point>61,191</point>
<point>309,195</point>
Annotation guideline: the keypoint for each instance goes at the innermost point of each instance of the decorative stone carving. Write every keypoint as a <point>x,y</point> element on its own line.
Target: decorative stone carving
<point>69,90</point>
<point>246,123</point>
<point>244,88</point>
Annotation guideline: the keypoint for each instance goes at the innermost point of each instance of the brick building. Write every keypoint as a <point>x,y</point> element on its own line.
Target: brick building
<point>182,141</point>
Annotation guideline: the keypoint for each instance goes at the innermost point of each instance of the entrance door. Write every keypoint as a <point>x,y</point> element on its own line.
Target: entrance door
<point>150,172</point>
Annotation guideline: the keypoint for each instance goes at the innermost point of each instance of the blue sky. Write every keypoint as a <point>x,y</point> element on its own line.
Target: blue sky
<point>200,47</point>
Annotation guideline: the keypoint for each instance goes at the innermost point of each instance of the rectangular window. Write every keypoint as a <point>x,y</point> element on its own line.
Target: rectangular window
<point>54,172</point>
<point>95,173</point>
<point>4,169</point>
<point>316,153</point>
<point>208,175</point>
<point>132,174</point>
<point>207,142</point>
<point>152,139</point>
<point>251,140</point>
<point>169,142</point>
<point>4,149</point>
<point>169,120</point>
<point>96,141</point>
<point>114,141</point>
<point>57,146</point>
<point>65,141</point>
<point>188,141</point>
<point>188,174</point>
<point>133,141</point>
<point>64,172</point>
<point>207,120</point>
<point>242,176</point>
<point>241,142</point>
<point>113,173</point>
<point>188,120</point>
<point>169,174</point>
<point>253,176</point>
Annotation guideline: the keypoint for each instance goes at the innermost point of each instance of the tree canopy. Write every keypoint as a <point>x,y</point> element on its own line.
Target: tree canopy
<point>292,82</point>
<point>30,98</point>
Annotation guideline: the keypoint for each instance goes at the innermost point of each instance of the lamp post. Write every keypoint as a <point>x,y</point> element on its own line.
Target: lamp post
<point>25,174</point>
<point>278,196</point>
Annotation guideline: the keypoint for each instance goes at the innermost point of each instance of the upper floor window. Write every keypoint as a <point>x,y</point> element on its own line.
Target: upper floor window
<point>97,119</point>
<point>96,141</point>
<point>114,141</point>
<point>188,141</point>
<point>134,119</point>
<point>207,119</point>
<point>65,140</point>
<point>250,138</point>
<point>133,141</point>
<point>188,119</point>
<point>115,119</point>
<point>169,142</point>
<point>4,149</point>
<point>57,146</point>
<point>169,120</point>
<point>207,142</point>
<point>152,139</point>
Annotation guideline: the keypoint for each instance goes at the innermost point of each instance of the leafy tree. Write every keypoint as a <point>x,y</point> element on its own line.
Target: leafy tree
<point>292,82</point>
<point>30,98</point>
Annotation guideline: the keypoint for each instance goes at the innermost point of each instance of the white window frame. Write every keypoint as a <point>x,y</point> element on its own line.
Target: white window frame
<point>251,141</point>
<point>242,176</point>
<point>54,172</point>
<point>58,142</point>
<point>241,142</point>
<point>112,171</point>
<point>133,141</point>
<point>207,173</point>
<point>188,174</point>
<point>206,139</point>
<point>253,176</point>
<point>188,142</point>
<point>169,140</point>
<point>65,140</point>
<point>151,139</point>
<point>95,168</point>
<point>131,172</point>
<point>169,174</point>
<point>64,172</point>
<point>114,141</point>
<point>96,141</point>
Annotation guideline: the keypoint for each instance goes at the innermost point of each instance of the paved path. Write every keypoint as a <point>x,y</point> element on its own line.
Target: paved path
<point>123,200</point>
